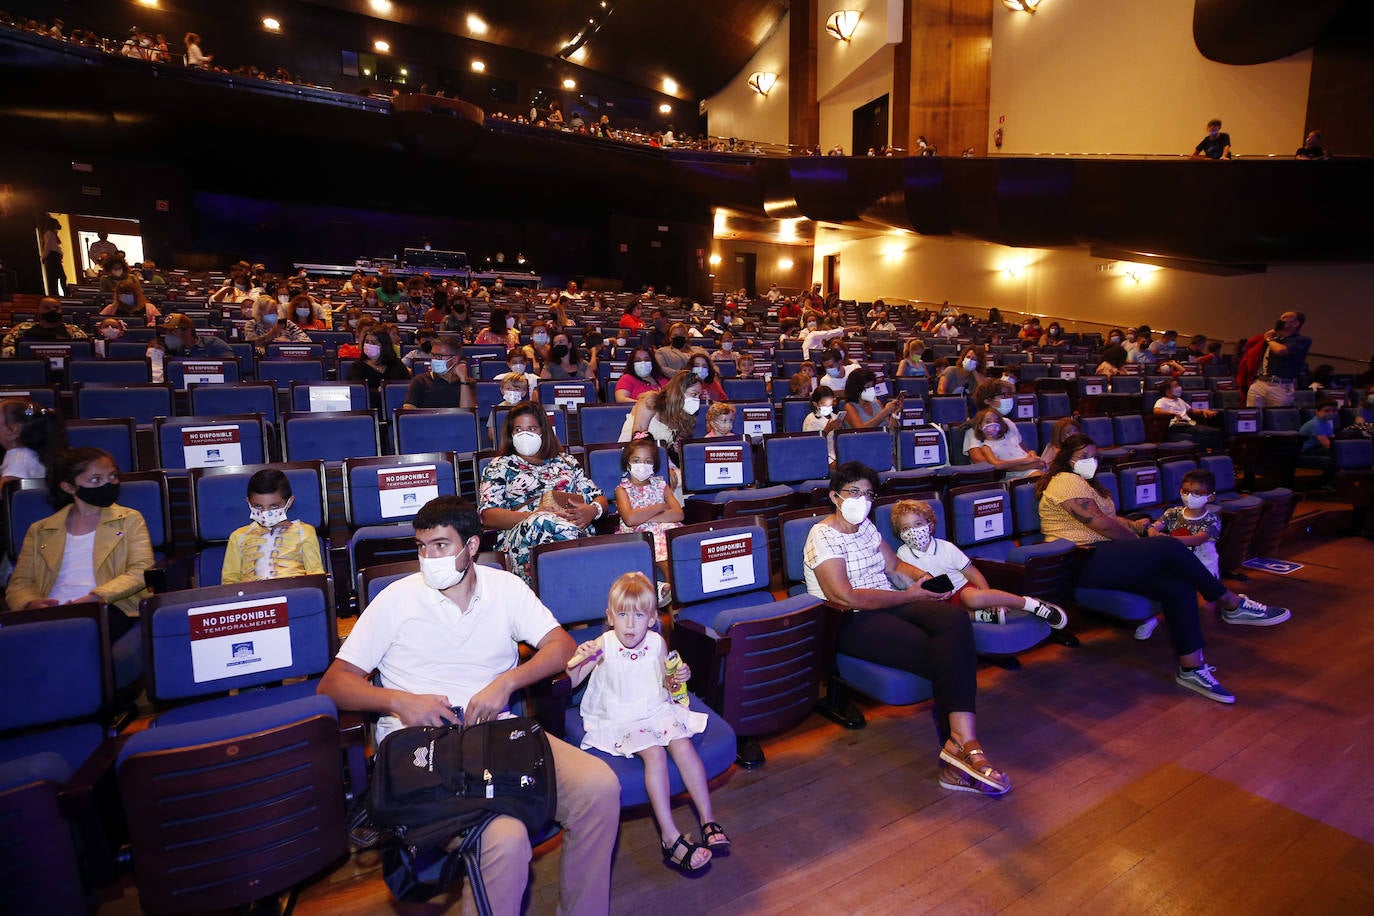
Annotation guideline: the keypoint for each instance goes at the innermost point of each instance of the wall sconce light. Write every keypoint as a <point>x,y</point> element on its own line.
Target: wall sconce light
<point>1138,272</point>
<point>714,259</point>
<point>1021,6</point>
<point>841,25</point>
<point>785,264</point>
<point>762,82</point>
<point>1014,270</point>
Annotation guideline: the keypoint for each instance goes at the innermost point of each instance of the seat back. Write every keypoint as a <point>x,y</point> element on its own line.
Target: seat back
<point>754,420</point>
<point>371,580</point>
<point>109,371</point>
<point>795,457</point>
<point>1242,421</point>
<point>224,812</point>
<point>181,372</point>
<point>793,528</point>
<point>716,559</point>
<point>1140,488</point>
<point>23,372</point>
<point>203,442</point>
<point>329,397</point>
<point>1171,475</point>
<point>569,394</point>
<point>1053,404</point>
<point>236,399</point>
<point>58,659</point>
<point>330,436</point>
<point>42,395</point>
<point>709,465</point>
<point>25,502</point>
<point>144,403</point>
<point>948,409</point>
<point>1129,429</point>
<point>1025,507</point>
<point>1223,469</point>
<point>870,447</point>
<point>207,641</point>
<point>282,372</point>
<point>574,578</point>
<point>146,493</point>
<point>794,411</point>
<point>391,489</point>
<point>980,515</point>
<point>923,447</point>
<point>745,389</point>
<point>435,430</point>
<point>1282,419</point>
<point>296,351</point>
<point>116,435</point>
<point>601,423</point>
<point>1100,430</point>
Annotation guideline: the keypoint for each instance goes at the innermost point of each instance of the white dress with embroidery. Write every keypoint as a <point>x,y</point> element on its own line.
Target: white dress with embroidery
<point>626,707</point>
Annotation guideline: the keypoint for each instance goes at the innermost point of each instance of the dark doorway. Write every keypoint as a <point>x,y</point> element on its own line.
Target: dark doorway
<point>749,270</point>
<point>831,273</point>
<point>870,127</point>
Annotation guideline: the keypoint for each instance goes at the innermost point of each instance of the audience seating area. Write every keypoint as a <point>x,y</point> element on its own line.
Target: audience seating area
<point>762,651</point>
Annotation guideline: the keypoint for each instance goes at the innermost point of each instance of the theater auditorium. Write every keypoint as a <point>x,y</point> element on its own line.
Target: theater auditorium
<point>891,455</point>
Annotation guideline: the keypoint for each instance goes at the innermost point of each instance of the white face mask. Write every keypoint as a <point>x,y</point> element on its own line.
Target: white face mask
<point>643,368</point>
<point>970,364</point>
<point>442,572</point>
<point>541,339</point>
<point>510,323</point>
<point>303,314</point>
<point>917,537</point>
<point>727,345</point>
<point>825,410</point>
<point>512,397</point>
<point>268,518</point>
<point>438,365</point>
<point>526,443</point>
<point>832,371</point>
<point>1085,468</point>
<point>854,509</point>
<point>1195,500</point>
<point>1005,405</point>
<point>641,470</point>
<point>701,372</point>
<point>691,405</point>
<point>127,298</point>
<point>620,341</point>
<point>992,430</point>
<point>113,333</point>
<point>372,351</point>
<point>869,394</point>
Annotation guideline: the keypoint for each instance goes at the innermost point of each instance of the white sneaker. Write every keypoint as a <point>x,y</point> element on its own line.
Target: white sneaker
<point>990,615</point>
<point>1146,629</point>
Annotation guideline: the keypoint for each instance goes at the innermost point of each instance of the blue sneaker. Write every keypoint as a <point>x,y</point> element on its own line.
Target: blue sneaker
<point>1200,680</point>
<point>1251,613</point>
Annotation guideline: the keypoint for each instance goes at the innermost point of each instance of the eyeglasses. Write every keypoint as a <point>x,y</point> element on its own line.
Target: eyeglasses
<point>857,492</point>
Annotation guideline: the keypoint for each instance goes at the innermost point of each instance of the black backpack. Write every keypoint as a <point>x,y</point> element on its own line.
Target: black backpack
<point>433,783</point>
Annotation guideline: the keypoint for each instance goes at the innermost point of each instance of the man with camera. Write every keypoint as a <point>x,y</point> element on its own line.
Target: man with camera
<point>1283,356</point>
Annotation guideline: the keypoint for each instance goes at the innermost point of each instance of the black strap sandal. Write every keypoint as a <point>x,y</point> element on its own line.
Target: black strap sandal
<point>713,835</point>
<point>683,862</point>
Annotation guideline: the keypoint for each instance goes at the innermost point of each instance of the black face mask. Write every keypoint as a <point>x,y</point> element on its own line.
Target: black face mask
<point>52,316</point>
<point>558,353</point>
<point>101,496</point>
<point>679,341</point>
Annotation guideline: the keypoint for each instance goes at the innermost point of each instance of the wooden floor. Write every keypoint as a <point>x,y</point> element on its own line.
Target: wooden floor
<point>1131,794</point>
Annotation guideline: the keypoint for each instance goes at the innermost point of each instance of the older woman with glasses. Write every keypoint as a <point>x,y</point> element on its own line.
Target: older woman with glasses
<point>896,622</point>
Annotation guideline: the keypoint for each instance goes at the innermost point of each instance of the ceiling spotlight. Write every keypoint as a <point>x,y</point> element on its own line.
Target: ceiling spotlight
<point>405,72</point>
<point>148,2</point>
<point>1021,6</point>
<point>762,82</point>
<point>665,108</point>
<point>476,24</point>
<point>841,25</point>
<point>570,84</point>
<point>381,47</point>
<point>271,24</point>
<point>380,6</point>
<point>670,85</point>
<point>479,66</point>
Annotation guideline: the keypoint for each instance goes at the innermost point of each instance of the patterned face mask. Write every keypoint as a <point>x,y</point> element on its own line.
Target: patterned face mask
<point>917,537</point>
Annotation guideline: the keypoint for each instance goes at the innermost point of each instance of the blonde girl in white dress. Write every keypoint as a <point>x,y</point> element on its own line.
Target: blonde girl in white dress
<point>628,710</point>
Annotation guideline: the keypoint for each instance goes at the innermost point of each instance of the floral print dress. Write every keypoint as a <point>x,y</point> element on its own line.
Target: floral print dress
<point>512,482</point>
<point>643,495</point>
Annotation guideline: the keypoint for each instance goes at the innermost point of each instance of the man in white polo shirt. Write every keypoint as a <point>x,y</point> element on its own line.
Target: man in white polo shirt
<point>446,637</point>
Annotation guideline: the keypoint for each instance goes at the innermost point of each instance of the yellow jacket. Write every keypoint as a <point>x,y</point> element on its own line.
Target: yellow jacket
<point>297,553</point>
<point>122,552</point>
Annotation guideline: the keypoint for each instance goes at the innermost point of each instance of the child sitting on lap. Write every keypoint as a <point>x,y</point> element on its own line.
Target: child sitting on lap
<point>914,522</point>
<point>628,711</point>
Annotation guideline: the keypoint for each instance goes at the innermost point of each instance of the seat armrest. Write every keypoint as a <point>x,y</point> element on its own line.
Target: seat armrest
<point>705,655</point>
<point>1003,576</point>
<point>170,574</point>
<point>90,801</point>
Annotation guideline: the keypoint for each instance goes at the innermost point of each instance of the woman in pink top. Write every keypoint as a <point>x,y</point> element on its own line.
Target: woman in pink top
<point>642,373</point>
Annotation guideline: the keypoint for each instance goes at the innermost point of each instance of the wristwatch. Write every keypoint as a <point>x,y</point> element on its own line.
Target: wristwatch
<point>599,511</point>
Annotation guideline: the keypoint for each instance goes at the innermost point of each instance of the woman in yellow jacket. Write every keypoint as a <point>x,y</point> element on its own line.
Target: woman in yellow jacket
<point>89,549</point>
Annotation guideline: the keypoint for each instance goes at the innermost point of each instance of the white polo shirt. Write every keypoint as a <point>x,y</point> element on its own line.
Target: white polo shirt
<point>422,643</point>
<point>940,558</point>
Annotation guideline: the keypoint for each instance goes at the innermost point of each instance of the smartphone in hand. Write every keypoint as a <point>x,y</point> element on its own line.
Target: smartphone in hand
<point>938,585</point>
